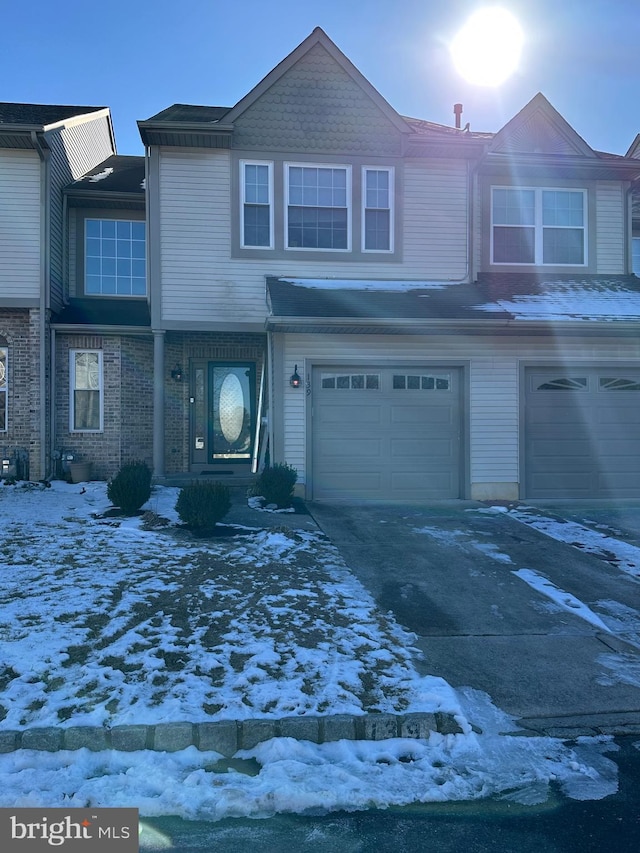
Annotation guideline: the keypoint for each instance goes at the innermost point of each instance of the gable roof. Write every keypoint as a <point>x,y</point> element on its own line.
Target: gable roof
<point>510,300</point>
<point>539,129</point>
<point>212,127</point>
<point>318,37</point>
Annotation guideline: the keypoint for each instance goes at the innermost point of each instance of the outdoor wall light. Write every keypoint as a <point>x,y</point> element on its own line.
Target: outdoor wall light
<point>6,466</point>
<point>295,381</point>
<point>177,374</point>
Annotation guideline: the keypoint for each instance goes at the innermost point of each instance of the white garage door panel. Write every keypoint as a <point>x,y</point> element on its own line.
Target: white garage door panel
<point>395,438</point>
<point>582,433</point>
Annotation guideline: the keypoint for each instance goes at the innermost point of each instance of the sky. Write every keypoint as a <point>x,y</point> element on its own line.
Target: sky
<point>140,56</point>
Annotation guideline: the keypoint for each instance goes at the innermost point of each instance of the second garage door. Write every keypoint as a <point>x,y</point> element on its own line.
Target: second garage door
<point>386,433</point>
<point>582,433</point>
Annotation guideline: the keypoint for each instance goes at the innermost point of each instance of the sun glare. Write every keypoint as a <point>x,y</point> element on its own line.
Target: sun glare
<point>487,49</point>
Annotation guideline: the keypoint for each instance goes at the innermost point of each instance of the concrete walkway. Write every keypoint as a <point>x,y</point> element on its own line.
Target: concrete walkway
<point>446,572</point>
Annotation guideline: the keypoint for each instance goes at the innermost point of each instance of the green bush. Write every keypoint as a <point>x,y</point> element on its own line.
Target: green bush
<point>202,505</point>
<point>131,487</point>
<point>276,483</point>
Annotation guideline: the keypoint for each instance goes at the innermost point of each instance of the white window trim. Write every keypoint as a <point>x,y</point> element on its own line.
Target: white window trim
<point>538,226</point>
<point>269,165</point>
<point>390,171</point>
<point>72,389</point>
<point>347,169</point>
<point>5,390</point>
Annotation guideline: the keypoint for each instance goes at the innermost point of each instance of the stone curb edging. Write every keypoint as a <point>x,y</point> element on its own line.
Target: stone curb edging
<point>228,736</point>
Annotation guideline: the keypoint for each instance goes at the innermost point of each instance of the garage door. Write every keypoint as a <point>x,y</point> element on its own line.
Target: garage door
<point>582,433</point>
<point>386,434</point>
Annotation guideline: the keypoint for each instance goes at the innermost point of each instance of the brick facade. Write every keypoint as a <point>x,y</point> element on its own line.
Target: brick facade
<point>127,401</point>
<point>182,348</point>
<point>20,334</point>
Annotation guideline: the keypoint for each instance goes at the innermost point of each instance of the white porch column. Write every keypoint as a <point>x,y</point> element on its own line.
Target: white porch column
<point>158,403</point>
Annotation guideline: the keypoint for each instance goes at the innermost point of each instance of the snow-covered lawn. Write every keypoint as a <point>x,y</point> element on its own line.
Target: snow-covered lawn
<point>106,621</point>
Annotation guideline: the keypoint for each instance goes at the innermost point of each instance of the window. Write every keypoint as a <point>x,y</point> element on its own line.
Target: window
<point>351,381</point>
<point>3,389</point>
<point>635,255</point>
<point>565,383</point>
<point>618,383</point>
<point>377,211</point>
<point>115,257</point>
<point>413,382</point>
<point>256,180</point>
<point>538,226</point>
<point>318,214</point>
<point>86,391</point>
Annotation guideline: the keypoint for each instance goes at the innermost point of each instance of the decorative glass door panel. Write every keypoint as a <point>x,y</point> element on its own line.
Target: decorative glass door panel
<point>231,414</point>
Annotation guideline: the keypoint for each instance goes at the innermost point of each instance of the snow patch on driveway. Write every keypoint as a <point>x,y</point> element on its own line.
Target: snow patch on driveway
<point>620,554</point>
<point>565,599</point>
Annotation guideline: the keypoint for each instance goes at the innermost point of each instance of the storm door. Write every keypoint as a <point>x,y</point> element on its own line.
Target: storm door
<point>222,413</point>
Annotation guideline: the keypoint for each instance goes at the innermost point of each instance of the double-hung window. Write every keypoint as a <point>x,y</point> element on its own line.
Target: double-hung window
<point>3,389</point>
<point>256,215</point>
<point>115,257</point>
<point>377,209</point>
<point>538,226</point>
<point>318,207</point>
<point>86,386</point>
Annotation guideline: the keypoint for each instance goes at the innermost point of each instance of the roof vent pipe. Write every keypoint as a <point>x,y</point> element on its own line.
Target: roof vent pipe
<point>457,111</point>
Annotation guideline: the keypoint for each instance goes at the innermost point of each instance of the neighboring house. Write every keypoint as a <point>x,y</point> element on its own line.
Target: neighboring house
<point>42,148</point>
<point>101,339</point>
<point>448,314</point>
<point>634,151</point>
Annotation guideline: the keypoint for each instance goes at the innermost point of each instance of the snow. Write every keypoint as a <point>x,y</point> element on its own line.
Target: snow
<point>273,624</point>
<point>570,302</point>
<point>100,176</point>
<point>566,600</point>
<point>621,554</point>
<point>398,286</point>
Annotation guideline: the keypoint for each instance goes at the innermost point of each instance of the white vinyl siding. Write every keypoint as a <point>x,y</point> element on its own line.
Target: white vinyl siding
<point>20,225</point>
<point>202,283</point>
<point>494,382</point>
<point>75,149</point>
<point>610,228</point>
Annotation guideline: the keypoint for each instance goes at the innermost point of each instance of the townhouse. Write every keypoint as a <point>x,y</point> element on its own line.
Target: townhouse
<point>401,310</point>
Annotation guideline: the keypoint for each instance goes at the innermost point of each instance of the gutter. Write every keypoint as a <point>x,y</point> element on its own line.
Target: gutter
<point>44,154</point>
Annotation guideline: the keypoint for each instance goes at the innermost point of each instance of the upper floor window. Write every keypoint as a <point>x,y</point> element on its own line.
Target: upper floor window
<point>538,226</point>
<point>3,389</point>
<point>318,207</point>
<point>377,210</point>
<point>85,375</point>
<point>256,224</point>
<point>115,257</point>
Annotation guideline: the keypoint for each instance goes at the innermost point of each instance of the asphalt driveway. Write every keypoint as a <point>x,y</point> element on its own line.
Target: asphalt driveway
<point>447,572</point>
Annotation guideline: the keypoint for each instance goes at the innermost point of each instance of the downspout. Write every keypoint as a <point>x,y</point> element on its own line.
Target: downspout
<point>45,237</point>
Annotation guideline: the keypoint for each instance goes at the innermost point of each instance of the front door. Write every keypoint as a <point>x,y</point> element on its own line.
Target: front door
<point>222,414</point>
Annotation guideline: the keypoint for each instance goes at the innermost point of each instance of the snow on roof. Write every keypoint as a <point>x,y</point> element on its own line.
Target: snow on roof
<point>101,175</point>
<point>570,302</point>
<point>393,285</point>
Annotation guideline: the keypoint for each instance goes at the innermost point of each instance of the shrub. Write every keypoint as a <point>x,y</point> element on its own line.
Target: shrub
<point>202,505</point>
<point>131,487</point>
<point>276,483</point>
